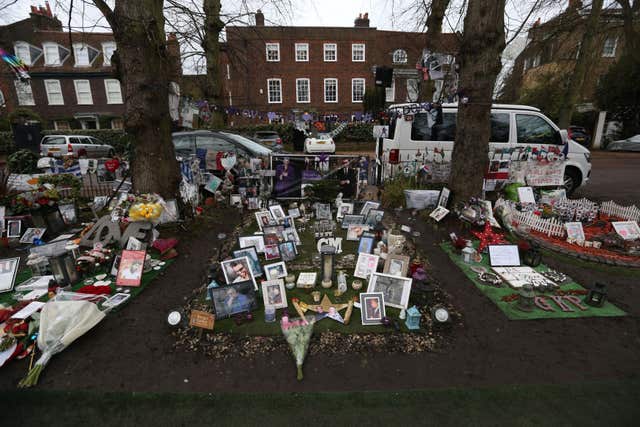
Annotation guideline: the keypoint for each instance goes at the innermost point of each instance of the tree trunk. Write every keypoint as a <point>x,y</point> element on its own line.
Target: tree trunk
<point>143,67</point>
<point>482,45</point>
<point>586,58</point>
<point>630,15</point>
<point>434,30</point>
<point>213,88</point>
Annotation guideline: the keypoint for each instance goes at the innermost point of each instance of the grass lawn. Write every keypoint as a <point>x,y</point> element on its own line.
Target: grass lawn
<point>591,404</point>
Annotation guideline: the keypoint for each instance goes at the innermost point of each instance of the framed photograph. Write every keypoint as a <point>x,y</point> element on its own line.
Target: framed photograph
<point>274,293</point>
<point>238,270</point>
<point>366,244</point>
<point>367,265</point>
<point>278,230</point>
<point>235,200</point>
<point>628,230</point>
<point>13,228</point>
<point>396,265</point>
<point>504,256</point>
<point>253,203</point>
<point>395,289</point>
<point>272,251</point>
<point>348,220</point>
<point>130,268</point>
<point>288,251</point>
<point>275,271</point>
<point>270,239</point>
<point>372,308</point>
<point>291,234</point>
<point>116,299</point>
<point>252,254</point>
<point>287,222</point>
<point>233,299</point>
<point>344,209</point>
<point>575,231</point>
<point>354,232</point>
<point>367,207</point>
<point>115,266</point>
<point>8,271</point>
<point>247,241</point>
<point>323,211</point>
<point>373,217</point>
<point>134,244</point>
<point>307,280</point>
<point>438,213</point>
<point>294,213</point>
<point>277,212</point>
<point>69,213</point>
<point>443,199</point>
<point>32,233</point>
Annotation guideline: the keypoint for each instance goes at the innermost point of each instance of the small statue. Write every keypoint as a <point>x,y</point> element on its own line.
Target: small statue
<point>342,282</point>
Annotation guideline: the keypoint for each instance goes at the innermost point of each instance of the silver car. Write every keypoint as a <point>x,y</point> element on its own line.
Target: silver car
<point>74,145</point>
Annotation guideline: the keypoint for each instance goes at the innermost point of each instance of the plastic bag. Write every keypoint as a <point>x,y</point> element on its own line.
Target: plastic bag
<point>298,334</point>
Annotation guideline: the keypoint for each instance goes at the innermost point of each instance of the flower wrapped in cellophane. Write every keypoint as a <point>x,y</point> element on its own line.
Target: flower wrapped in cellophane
<point>298,334</point>
<point>145,212</point>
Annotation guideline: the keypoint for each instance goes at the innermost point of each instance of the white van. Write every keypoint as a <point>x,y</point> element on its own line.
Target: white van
<point>511,126</point>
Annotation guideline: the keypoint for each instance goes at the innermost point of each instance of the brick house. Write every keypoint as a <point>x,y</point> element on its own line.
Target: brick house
<point>321,70</point>
<point>72,82</point>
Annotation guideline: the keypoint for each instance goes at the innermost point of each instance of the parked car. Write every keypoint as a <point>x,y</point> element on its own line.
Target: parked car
<point>323,143</point>
<point>187,143</point>
<point>629,144</point>
<point>74,145</point>
<point>579,135</point>
<point>511,126</point>
<point>268,137</point>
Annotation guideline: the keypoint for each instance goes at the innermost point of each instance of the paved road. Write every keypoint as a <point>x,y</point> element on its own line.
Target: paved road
<point>615,176</point>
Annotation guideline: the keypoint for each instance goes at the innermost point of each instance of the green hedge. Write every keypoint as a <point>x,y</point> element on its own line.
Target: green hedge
<point>6,142</point>
<point>356,132</point>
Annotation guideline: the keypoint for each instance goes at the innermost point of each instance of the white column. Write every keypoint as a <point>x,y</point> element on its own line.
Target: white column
<point>597,138</point>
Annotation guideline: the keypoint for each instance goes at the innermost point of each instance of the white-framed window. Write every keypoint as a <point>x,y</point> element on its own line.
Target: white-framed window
<point>28,53</point>
<point>24,92</point>
<point>303,90</point>
<point>84,54</point>
<point>357,90</point>
<point>412,90</point>
<point>330,52</point>
<point>54,92</point>
<point>228,71</point>
<point>273,52</point>
<point>83,92</point>
<point>390,92</point>
<point>274,91</point>
<point>302,52</point>
<point>357,52</point>
<point>51,54</point>
<point>113,91</point>
<point>61,125</point>
<point>107,52</point>
<point>331,90</point>
<point>399,56</point>
<point>117,123</point>
<point>609,47</point>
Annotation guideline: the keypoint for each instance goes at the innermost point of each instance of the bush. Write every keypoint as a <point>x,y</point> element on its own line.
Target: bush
<point>118,139</point>
<point>23,161</point>
<point>356,132</point>
<point>6,142</point>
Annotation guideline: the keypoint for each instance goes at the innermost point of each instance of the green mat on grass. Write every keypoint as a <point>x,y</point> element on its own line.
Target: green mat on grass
<point>510,308</point>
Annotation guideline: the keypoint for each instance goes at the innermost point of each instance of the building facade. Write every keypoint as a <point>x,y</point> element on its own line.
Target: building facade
<point>288,71</point>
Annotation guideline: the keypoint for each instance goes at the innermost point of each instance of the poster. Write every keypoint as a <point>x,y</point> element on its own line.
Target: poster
<point>575,231</point>
<point>549,174</point>
<point>130,269</point>
<point>628,230</point>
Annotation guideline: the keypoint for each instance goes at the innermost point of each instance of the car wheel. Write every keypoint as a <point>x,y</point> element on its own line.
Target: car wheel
<point>572,179</point>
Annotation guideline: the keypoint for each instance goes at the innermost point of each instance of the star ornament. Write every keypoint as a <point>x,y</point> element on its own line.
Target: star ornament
<point>326,305</point>
<point>488,237</point>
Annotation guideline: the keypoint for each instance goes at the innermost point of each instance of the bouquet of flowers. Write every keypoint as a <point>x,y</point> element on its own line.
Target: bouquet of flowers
<point>298,334</point>
<point>35,199</point>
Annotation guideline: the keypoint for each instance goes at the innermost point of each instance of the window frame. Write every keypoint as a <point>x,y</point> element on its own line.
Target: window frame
<point>306,50</point>
<point>106,91</point>
<point>613,51</point>
<point>324,87</point>
<point>353,52</point>
<point>26,84</point>
<point>398,52</point>
<point>557,139</point>
<point>75,85</point>
<point>80,45</point>
<point>49,93</point>
<point>271,45</point>
<point>269,101</point>
<point>364,83</point>
<point>107,61</point>
<point>46,45</point>
<point>393,92</point>
<point>308,90</point>
<point>325,49</point>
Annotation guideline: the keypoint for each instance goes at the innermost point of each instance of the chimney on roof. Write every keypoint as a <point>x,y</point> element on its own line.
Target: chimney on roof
<point>259,18</point>
<point>362,21</point>
<point>43,19</point>
<point>173,54</point>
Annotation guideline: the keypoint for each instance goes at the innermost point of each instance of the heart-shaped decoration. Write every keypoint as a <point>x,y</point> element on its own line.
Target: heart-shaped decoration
<point>112,165</point>
<point>229,161</point>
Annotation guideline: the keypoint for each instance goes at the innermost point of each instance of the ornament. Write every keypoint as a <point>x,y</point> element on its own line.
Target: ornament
<point>488,237</point>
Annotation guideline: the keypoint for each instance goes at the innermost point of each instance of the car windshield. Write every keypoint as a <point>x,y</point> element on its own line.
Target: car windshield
<point>253,147</point>
<point>56,140</point>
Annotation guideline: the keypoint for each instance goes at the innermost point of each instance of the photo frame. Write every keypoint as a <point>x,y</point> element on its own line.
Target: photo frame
<point>395,289</point>
<point>238,270</point>
<point>628,230</point>
<point>14,227</point>
<point>438,213</point>
<point>291,234</point>
<point>374,217</point>
<point>443,199</point>
<point>323,211</point>
<point>294,213</point>
<point>115,265</point>
<point>372,310</point>
<point>233,299</point>
<point>130,268</point>
<point>504,256</point>
<point>274,293</point>
<point>8,272</point>
<point>575,231</point>
<point>275,271</point>
<point>348,220</point>
<point>355,231</point>
<point>69,213</point>
<point>366,244</point>
<point>368,205</point>
<point>272,252</point>
<point>253,203</point>
<point>235,200</point>
<point>255,240</point>
<point>278,230</point>
<point>367,265</point>
<point>270,239</point>
<point>288,251</point>
<point>277,212</point>
<point>307,279</point>
<point>32,233</point>
<point>344,209</point>
<point>396,265</point>
<point>252,254</point>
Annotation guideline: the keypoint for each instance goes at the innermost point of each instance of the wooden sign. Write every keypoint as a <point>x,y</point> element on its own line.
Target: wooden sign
<point>202,319</point>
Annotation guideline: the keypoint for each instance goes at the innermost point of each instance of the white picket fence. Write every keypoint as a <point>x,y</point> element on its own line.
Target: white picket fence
<point>630,213</point>
<point>550,227</point>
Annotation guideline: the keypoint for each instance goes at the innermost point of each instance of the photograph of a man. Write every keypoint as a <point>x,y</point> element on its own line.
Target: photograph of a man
<point>372,308</point>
